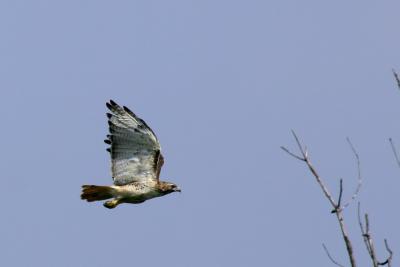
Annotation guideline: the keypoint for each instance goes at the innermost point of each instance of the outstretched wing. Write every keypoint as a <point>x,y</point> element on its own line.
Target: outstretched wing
<point>135,150</point>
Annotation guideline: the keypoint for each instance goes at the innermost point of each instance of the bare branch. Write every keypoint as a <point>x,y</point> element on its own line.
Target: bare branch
<point>364,230</point>
<point>396,76</point>
<point>371,242</point>
<point>347,241</point>
<point>337,209</point>
<point>367,237</point>
<point>389,259</point>
<point>366,223</point>
<point>306,159</point>
<point>340,193</point>
<point>339,198</point>
<point>359,219</point>
<point>359,177</point>
<point>330,257</point>
<point>394,151</point>
<point>299,145</point>
<point>292,154</point>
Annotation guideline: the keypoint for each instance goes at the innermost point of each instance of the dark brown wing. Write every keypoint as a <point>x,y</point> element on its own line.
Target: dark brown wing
<point>159,164</point>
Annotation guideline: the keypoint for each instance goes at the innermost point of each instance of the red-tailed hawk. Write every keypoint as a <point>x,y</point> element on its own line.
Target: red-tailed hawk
<point>136,161</point>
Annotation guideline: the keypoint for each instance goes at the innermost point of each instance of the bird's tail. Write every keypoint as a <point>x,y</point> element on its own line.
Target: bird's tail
<point>96,192</point>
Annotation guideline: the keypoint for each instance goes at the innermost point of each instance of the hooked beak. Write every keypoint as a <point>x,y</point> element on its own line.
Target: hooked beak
<point>177,189</point>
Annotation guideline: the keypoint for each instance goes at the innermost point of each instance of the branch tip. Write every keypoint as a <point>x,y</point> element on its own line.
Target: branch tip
<point>359,177</point>
<point>330,257</point>
<point>394,151</point>
<point>396,76</point>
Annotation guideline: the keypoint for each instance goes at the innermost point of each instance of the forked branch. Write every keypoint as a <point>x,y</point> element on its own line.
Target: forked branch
<point>389,259</point>
<point>304,157</point>
<point>337,207</point>
<point>368,241</point>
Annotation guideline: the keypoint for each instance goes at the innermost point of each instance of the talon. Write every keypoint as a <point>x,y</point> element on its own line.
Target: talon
<point>111,203</point>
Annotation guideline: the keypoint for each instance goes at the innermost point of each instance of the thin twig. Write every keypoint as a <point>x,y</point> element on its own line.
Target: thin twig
<point>359,219</point>
<point>389,259</point>
<point>396,76</point>
<point>339,198</point>
<point>292,154</point>
<point>394,151</point>
<point>299,145</point>
<point>340,193</point>
<point>330,257</point>
<point>359,177</point>
<point>367,237</point>
<point>370,242</point>
<point>364,230</point>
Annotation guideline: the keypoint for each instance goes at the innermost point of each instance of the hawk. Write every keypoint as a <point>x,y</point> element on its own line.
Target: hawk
<point>136,162</point>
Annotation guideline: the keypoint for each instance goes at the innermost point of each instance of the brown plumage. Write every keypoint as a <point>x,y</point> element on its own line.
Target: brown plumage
<point>96,192</point>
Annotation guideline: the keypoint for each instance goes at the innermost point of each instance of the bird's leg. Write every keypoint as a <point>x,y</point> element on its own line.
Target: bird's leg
<point>112,203</point>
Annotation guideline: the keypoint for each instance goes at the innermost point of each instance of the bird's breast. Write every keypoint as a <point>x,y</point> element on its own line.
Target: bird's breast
<point>135,190</point>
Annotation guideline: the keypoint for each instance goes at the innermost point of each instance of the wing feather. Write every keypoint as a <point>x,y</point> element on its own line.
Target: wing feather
<point>135,150</point>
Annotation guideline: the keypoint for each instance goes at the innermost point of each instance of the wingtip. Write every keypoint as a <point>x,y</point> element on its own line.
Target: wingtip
<point>129,111</point>
<point>109,106</point>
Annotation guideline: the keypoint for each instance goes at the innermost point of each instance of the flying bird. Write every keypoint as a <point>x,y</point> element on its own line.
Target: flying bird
<point>136,162</point>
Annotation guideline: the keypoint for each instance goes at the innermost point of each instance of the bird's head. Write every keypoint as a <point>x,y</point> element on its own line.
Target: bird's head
<point>168,187</point>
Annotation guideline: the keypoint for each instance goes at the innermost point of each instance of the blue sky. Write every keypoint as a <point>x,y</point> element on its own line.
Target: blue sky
<point>221,83</point>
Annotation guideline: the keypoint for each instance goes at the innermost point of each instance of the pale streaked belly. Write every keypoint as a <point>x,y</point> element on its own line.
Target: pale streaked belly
<point>135,193</point>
